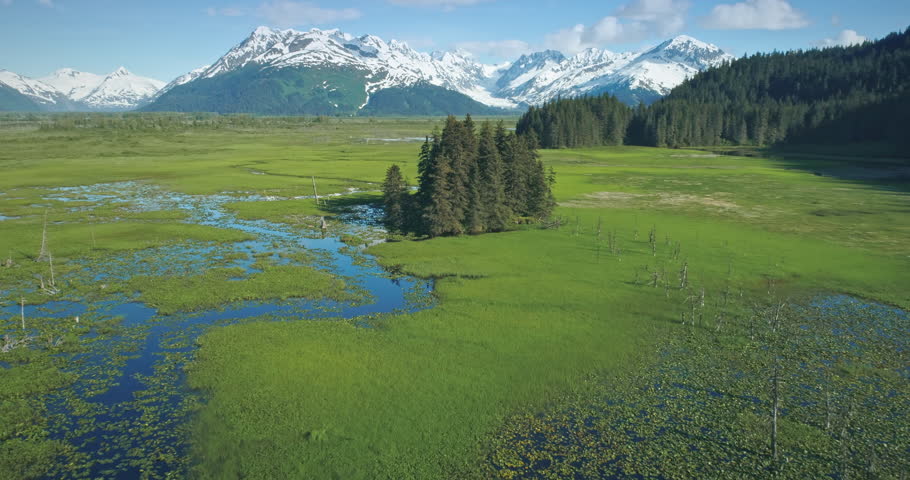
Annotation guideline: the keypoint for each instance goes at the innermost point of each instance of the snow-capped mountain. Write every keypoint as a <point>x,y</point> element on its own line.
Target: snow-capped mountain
<point>532,79</point>
<point>384,65</point>
<point>72,83</point>
<point>526,68</point>
<point>122,90</point>
<point>68,89</point>
<point>329,71</point>
<point>36,90</point>
<point>632,77</point>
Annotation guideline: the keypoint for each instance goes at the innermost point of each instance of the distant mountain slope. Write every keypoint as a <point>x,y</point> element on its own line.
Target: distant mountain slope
<point>286,91</point>
<point>42,94</point>
<point>13,101</point>
<point>425,99</point>
<point>367,60</point>
<point>71,90</point>
<point>394,66</point>
<point>631,77</point>
<point>277,72</point>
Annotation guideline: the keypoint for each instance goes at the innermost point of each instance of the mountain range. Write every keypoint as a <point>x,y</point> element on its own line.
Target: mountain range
<point>331,72</point>
<point>71,90</point>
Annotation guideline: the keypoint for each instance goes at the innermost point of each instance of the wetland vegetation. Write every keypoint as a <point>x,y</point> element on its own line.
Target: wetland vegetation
<point>203,323</point>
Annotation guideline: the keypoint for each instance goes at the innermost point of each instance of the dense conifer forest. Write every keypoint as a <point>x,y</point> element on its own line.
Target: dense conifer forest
<point>839,95</point>
<point>470,181</point>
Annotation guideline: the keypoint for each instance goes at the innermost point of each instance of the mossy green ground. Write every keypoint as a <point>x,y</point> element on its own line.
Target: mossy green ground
<point>522,317</point>
<point>224,286</point>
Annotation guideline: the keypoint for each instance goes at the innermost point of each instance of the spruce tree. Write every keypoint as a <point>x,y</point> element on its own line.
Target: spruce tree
<point>495,212</point>
<point>394,195</point>
<point>440,216</point>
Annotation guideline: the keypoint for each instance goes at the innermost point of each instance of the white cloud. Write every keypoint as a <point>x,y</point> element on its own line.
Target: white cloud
<point>446,5</point>
<point>755,15</point>
<point>666,17</point>
<point>225,12</point>
<point>632,22</point>
<point>498,48</point>
<point>290,14</point>
<point>46,3</point>
<point>843,39</point>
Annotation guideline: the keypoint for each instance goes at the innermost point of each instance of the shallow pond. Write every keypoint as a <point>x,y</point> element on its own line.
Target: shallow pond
<point>127,413</point>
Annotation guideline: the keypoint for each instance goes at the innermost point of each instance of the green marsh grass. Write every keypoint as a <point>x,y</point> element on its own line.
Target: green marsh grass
<point>523,317</point>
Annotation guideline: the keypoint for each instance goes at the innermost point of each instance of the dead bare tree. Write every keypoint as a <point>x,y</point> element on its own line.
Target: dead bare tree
<point>655,278</point>
<point>11,343</point>
<point>315,193</point>
<point>22,310</point>
<point>652,240</point>
<point>775,406</point>
<point>43,253</point>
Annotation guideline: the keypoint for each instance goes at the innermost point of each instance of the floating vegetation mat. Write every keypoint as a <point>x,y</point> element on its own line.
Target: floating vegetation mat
<point>836,367</point>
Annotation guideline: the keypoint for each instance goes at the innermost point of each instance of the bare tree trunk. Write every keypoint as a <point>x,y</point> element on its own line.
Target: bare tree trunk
<point>775,392</point>
<point>50,261</point>
<point>22,310</point>
<point>43,253</point>
<point>315,193</point>
<point>828,407</point>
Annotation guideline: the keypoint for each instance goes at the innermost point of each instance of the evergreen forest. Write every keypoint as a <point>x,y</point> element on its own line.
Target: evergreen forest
<point>834,96</point>
<point>470,181</point>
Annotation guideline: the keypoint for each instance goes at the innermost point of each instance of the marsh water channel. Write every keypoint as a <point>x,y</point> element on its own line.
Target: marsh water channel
<point>126,414</point>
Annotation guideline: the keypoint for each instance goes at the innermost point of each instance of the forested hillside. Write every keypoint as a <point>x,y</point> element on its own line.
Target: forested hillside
<point>838,95</point>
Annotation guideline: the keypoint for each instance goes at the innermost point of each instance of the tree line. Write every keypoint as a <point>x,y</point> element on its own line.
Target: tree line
<point>834,95</point>
<point>470,180</point>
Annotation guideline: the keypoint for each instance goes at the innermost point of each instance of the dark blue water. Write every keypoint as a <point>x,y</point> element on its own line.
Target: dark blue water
<point>135,377</point>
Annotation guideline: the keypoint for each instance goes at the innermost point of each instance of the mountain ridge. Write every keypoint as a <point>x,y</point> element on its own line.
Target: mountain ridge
<point>67,89</point>
<point>532,79</point>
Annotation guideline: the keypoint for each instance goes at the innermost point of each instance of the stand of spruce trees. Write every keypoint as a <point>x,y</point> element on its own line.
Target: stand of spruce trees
<point>469,182</point>
<point>840,95</point>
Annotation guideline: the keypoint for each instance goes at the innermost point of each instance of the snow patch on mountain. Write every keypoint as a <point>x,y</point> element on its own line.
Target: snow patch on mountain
<point>68,89</point>
<point>37,90</point>
<point>122,90</point>
<point>530,80</point>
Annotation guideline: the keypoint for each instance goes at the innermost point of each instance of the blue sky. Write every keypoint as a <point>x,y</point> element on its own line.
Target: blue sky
<point>163,39</point>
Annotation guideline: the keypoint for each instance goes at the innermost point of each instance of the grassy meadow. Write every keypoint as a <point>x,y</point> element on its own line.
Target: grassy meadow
<point>524,318</point>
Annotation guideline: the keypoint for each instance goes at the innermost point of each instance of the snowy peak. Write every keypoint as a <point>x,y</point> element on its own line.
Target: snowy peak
<point>687,50</point>
<point>69,89</point>
<point>73,83</point>
<point>384,64</point>
<point>39,91</point>
<point>120,72</point>
<point>122,89</point>
<point>667,65</point>
<point>527,67</point>
<point>633,77</point>
<point>532,79</point>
